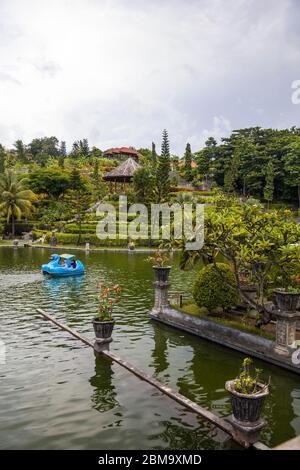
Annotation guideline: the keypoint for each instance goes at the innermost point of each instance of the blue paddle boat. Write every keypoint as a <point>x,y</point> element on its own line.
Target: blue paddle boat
<point>63,265</point>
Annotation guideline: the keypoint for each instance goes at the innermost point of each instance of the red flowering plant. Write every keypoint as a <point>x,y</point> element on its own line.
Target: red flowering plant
<point>107,297</point>
<point>160,259</point>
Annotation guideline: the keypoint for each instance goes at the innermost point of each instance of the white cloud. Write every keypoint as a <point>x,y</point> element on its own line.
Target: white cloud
<point>119,71</point>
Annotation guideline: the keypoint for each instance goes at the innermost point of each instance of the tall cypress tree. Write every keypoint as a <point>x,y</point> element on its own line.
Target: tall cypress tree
<point>96,173</point>
<point>2,158</point>
<point>163,169</point>
<point>188,162</point>
<point>62,154</point>
<point>153,158</point>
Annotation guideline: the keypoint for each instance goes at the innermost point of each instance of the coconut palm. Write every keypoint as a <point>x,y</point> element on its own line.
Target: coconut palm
<point>185,198</point>
<point>15,200</point>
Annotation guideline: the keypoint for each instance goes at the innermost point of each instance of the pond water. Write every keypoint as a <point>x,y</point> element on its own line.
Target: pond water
<point>56,395</point>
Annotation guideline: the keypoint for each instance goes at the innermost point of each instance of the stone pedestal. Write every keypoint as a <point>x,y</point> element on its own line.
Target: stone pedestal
<point>286,332</point>
<point>161,287</point>
<point>245,432</point>
<point>102,344</point>
<point>160,296</point>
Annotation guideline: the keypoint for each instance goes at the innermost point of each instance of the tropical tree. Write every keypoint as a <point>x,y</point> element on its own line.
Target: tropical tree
<point>143,185</point>
<point>15,199</point>
<point>21,151</point>
<point>188,162</point>
<point>79,199</point>
<point>96,173</point>
<point>232,174</point>
<point>163,169</point>
<point>52,182</point>
<point>2,158</point>
<point>292,168</point>
<point>62,154</point>
<point>269,186</point>
<point>260,246</point>
<point>153,158</point>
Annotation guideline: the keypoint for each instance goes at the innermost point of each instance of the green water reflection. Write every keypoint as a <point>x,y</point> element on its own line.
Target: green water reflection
<point>56,394</point>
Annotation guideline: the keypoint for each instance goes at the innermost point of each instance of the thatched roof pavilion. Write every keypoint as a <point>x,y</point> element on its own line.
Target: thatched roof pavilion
<point>122,174</point>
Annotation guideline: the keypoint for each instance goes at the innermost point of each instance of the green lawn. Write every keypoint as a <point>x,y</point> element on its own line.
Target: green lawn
<point>193,309</point>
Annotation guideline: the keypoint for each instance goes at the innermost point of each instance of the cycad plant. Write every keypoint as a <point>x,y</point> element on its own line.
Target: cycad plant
<point>15,200</point>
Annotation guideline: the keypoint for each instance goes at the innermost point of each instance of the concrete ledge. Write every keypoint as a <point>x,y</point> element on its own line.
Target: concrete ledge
<point>293,444</point>
<point>247,343</point>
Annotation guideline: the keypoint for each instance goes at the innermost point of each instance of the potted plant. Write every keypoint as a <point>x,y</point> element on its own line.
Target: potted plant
<point>247,287</point>
<point>161,260</point>
<point>131,245</point>
<point>247,394</point>
<point>287,298</point>
<point>103,323</point>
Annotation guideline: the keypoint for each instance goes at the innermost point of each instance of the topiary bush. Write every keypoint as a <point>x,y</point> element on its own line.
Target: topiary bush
<point>211,290</point>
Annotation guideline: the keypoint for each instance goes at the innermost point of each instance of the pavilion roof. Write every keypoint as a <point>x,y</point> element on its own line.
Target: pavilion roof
<point>124,170</point>
<point>122,150</point>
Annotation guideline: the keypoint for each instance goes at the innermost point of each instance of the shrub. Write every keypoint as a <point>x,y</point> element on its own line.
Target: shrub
<point>211,290</point>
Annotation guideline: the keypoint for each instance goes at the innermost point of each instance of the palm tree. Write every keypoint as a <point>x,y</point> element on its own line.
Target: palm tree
<point>15,200</point>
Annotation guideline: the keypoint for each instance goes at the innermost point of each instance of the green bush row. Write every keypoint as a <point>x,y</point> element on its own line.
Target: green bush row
<point>72,238</point>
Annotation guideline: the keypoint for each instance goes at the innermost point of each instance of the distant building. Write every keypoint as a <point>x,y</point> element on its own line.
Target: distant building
<point>122,175</point>
<point>122,153</point>
<point>182,163</point>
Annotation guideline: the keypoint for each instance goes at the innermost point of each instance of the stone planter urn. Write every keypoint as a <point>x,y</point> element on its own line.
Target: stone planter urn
<point>287,301</point>
<point>103,330</point>
<point>161,273</point>
<point>250,291</point>
<point>246,409</point>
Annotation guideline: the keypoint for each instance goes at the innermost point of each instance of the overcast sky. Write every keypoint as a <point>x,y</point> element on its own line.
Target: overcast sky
<point>119,71</point>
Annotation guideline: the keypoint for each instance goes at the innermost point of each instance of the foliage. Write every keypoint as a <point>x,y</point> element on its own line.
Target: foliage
<point>163,170</point>
<point>269,186</point>
<point>50,181</point>
<point>248,381</point>
<point>188,162</point>
<point>15,200</point>
<point>160,259</point>
<point>143,185</point>
<point>184,198</point>
<point>153,158</point>
<point>202,312</point>
<point>2,158</point>
<point>107,297</point>
<point>79,199</point>
<point>72,239</point>
<point>96,173</point>
<point>231,176</point>
<point>210,289</point>
<point>55,210</point>
<point>80,149</point>
<point>264,246</point>
<point>62,154</point>
<point>240,160</point>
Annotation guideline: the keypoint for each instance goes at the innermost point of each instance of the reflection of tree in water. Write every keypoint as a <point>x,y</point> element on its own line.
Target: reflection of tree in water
<point>278,410</point>
<point>160,350</point>
<point>104,396</point>
<point>204,382</point>
<point>179,434</point>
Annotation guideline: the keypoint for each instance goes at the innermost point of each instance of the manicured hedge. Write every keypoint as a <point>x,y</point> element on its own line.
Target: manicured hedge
<point>71,239</point>
<point>211,287</point>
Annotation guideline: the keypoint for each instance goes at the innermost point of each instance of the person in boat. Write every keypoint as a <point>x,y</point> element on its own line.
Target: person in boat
<point>73,263</point>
